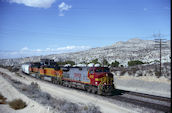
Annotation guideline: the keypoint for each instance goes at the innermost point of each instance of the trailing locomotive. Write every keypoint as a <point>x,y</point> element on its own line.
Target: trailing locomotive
<point>93,79</point>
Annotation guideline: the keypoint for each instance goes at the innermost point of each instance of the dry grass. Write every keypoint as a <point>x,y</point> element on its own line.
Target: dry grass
<point>17,104</point>
<point>18,74</point>
<point>2,99</point>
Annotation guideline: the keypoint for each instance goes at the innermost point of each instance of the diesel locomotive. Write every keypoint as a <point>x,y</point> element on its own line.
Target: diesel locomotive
<point>95,79</point>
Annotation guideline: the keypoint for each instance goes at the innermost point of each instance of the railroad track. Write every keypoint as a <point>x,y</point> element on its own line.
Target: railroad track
<point>160,98</point>
<point>157,103</point>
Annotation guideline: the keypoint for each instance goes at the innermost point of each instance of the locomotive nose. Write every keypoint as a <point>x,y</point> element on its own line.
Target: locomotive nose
<point>110,75</point>
<point>109,78</point>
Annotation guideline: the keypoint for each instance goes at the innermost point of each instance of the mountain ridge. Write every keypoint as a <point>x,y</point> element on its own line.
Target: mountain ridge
<point>122,51</point>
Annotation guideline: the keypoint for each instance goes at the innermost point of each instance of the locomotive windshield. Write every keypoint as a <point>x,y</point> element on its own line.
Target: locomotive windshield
<point>98,70</point>
<point>104,69</point>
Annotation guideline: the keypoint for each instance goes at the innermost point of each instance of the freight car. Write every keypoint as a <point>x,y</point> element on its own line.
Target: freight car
<point>25,68</point>
<point>92,79</point>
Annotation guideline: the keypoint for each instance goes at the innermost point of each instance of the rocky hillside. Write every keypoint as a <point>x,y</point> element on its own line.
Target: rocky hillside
<point>133,49</point>
<point>144,70</point>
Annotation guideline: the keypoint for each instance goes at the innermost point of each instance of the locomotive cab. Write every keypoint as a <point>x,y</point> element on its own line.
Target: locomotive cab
<point>102,78</point>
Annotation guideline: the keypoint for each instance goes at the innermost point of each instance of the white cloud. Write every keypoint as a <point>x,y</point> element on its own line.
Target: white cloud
<point>38,50</point>
<point>68,48</point>
<point>60,49</point>
<point>34,3</point>
<point>25,51</point>
<point>63,7</point>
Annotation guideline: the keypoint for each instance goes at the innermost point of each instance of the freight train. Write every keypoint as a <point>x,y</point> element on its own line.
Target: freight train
<point>93,79</point>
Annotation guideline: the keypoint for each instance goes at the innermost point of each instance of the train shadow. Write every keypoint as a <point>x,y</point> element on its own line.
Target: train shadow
<point>118,92</point>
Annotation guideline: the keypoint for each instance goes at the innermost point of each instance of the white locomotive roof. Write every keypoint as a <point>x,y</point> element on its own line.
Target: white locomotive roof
<point>91,65</point>
<point>94,65</point>
<point>81,65</point>
<point>67,65</point>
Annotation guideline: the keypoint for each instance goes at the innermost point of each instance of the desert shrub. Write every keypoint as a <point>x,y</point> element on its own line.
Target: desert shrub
<point>66,62</point>
<point>95,61</point>
<point>134,69</point>
<point>17,104</point>
<point>105,62</point>
<point>2,99</point>
<point>115,64</point>
<point>70,108</point>
<point>14,69</point>
<point>1,96</point>
<point>130,72</point>
<point>139,73</point>
<point>122,72</point>
<point>2,66</point>
<point>93,109</point>
<point>70,62</point>
<point>18,74</point>
<point>16,81</point>
<point>84,62</point>
<point>33,88</point>
<point>157,73</point>
<point>9,68</point>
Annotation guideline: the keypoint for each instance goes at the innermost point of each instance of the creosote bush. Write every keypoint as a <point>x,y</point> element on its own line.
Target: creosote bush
<point>17,104</point>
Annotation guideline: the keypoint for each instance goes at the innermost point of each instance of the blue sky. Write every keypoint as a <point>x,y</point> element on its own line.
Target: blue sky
<point>29,27</point>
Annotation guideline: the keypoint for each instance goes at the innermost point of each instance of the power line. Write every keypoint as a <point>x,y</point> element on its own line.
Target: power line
<point>160,44</point>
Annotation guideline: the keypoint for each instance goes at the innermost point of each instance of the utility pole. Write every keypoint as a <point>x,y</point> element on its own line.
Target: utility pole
<point>159,44</point>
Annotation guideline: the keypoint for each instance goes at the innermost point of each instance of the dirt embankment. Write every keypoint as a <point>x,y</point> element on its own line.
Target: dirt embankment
<point>74,96</point>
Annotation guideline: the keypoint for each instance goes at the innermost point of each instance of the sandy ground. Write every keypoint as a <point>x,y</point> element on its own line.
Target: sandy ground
<point>149,85</point>
<point>71,95</point>
<point>11,93</point>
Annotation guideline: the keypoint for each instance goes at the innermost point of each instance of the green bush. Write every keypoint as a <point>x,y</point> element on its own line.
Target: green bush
<point>115,64</point>
<point>70,62</point>
<point>95,61</point>
<point>134,62</point>
<point>84,62</point>
<point>66,62</point>
<point>105,62</point>
<point>17,104</point>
